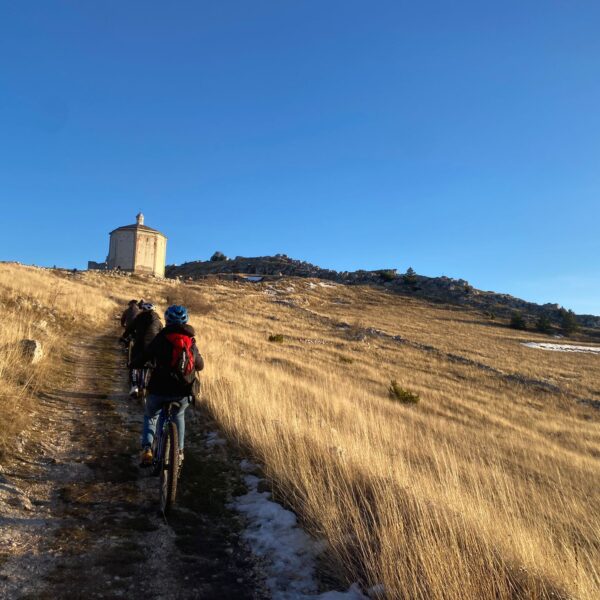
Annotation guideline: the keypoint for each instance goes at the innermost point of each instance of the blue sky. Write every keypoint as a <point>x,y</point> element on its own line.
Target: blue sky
<point>459,138</point>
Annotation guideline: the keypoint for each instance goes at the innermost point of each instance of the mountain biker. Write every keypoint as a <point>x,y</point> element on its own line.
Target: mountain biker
<point>130,313</point>
<point>174,342</point>
<point>143,329</point>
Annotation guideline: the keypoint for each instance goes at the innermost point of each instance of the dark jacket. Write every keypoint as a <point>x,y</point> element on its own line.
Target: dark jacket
<point>160,353</point>
<point>129,315</point>
<point>143,329</point>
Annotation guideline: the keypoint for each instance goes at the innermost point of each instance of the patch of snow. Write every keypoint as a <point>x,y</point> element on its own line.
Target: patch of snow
<point>214,439</point>
<point>254,278</point>
<point>377,591</point>
<point>327,285</point>
<point>288,551</point>
<point>248,466</point>
<point>563,347</point>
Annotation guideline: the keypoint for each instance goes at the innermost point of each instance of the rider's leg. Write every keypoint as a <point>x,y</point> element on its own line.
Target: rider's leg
<point>151,412</point>
<point>180,420</point>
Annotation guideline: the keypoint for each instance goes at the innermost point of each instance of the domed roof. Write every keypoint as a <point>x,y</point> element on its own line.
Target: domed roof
<point>138,226</point>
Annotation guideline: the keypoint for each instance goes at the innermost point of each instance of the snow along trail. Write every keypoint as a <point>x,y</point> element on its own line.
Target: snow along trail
<point>288,552</point>
<point>562,347</point>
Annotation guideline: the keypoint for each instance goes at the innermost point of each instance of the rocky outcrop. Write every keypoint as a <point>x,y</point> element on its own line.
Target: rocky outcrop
<point>32,351</point>
<point>435,289</point>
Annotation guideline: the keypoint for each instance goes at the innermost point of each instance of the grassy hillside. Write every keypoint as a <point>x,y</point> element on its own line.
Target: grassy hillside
<point>487,488</point>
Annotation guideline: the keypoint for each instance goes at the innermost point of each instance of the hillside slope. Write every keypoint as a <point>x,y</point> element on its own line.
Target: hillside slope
<point>438,289</point>
<point>487,488</point>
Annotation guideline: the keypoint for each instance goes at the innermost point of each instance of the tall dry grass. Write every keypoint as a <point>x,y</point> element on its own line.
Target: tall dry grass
<point>486,489</point>
<point>54,307</point>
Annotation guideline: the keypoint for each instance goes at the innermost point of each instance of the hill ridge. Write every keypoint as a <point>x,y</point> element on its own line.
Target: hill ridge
<point>438,289</point>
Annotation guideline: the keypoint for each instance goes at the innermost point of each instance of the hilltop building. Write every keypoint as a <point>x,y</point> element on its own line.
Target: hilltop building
<point>136,248</point>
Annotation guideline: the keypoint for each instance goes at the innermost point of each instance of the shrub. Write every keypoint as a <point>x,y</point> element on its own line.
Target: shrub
<point>399,394</point>
<point>517,321</point>
<point>277,338</point>
<point>346,359</point>
<point>388,274</point>
<point>543,324</point>
<point>568,321</point>
<point>217,256</point>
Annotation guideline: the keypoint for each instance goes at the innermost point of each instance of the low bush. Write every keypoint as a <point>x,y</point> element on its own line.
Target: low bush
<point>277,338</point>
<point>345,359</point>
<point>399,394</point>
<point>517,321</point>
<point>543,324</point>
<point>388,274</point>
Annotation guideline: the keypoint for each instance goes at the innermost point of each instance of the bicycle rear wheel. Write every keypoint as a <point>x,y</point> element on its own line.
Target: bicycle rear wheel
<point>144,378</point>
<point>169,467</point>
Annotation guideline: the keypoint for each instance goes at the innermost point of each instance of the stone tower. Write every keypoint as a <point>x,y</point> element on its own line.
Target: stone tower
<point>137,248</point>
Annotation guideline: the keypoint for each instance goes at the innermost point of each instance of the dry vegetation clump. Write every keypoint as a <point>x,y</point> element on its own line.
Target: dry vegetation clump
<point>398,393</point>
<point>277,338</point>
<point>188,296</point>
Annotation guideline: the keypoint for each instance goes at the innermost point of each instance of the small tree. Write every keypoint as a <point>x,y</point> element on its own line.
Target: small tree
<point>568,321</point>
<point>410,277</point>
<point>517,321</point>
<point>217,256</point>
<point>543,324</point>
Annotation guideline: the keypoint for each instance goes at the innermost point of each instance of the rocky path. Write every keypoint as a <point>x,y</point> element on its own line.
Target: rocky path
<point>79,520</point>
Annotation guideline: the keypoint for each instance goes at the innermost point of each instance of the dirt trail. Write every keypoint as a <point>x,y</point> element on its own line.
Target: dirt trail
<point>82,522</point>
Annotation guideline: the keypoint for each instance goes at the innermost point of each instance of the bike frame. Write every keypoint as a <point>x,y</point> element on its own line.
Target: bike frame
<point>166,414</point>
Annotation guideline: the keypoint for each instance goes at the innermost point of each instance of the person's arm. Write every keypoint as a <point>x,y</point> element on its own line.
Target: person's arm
<point>198,360</point>
<point>130,328</point>
<point>123,317</point>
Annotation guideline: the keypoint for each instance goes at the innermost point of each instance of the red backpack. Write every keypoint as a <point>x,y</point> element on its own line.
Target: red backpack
<point>182,357</point>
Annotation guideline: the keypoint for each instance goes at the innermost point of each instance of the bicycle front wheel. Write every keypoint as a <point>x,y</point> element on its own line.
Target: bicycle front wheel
<point>169,467</point>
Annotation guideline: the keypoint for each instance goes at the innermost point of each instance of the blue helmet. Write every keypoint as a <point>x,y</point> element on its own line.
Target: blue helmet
<point>176,315</point>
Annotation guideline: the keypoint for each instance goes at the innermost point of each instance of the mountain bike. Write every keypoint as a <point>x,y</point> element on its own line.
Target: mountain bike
<point>165,450</point>
<point>143,378</point>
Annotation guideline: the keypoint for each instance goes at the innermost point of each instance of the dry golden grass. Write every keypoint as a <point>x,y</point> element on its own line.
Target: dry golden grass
<point>53,307</point>
<point>488,488</point>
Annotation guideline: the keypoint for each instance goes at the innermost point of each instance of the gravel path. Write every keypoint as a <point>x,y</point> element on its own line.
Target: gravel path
<point>78,519</point>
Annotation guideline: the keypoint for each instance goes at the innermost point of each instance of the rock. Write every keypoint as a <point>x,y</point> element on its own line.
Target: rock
<point>32,350</point>
<point>20,501</point>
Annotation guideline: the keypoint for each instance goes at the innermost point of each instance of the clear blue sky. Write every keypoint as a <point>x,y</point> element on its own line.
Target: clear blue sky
<point>459,138</point>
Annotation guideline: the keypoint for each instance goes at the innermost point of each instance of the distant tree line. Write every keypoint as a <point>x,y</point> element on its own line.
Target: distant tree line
<point>567,322</point>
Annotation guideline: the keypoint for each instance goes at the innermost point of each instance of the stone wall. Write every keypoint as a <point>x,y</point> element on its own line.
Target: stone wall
<point>121,250</point>
<point>150,253</point>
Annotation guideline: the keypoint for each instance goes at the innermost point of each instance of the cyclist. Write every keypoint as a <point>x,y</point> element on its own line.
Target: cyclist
<point>143,329</point>
<point>130,313</point>
<point>177,359</point>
